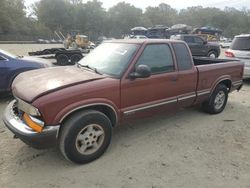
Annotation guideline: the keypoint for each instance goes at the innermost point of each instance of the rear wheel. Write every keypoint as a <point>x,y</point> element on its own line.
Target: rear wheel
<point>46,52</point>
<point>212,54</point>
<point>62,59</point>
<point>217,100</point>
<point>85,136</point>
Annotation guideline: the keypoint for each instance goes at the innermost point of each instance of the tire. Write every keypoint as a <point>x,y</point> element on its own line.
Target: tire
<point>62,59</point>
<point>46,52</point>
<point>56,51</point>
<point>217,100</point>
<point>76,142</point>
<point>75,58</point>
<point>212,54</point>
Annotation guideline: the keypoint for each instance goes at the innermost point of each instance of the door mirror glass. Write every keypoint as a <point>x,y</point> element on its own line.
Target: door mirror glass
<point>142,71</point>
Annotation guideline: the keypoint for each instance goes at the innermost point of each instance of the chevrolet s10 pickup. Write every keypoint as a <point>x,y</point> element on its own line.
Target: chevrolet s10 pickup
<point>76,107</point>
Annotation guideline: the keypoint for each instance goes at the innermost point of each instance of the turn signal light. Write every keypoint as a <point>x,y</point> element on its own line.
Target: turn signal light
<point>36,127</point>
<point>229,54</point>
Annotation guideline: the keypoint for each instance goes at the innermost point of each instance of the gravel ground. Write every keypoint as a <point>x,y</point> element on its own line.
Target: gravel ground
<point>23,49</point>
<point>186,149</point>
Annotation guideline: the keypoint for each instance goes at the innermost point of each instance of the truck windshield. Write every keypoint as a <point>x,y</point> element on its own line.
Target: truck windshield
<point>110,58</point>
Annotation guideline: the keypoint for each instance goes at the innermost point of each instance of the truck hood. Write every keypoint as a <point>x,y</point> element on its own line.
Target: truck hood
<point>33,84</point>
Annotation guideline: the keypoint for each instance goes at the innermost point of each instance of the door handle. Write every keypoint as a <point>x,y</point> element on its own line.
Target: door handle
<point>173,78</point>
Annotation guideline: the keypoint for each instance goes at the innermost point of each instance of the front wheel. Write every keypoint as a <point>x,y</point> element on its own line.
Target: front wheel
<point>85,136</point>
<point>217,100</point>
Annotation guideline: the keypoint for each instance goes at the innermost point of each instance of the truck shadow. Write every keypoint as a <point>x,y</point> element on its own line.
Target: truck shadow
<point>5,97</point>
<point>246,82</point>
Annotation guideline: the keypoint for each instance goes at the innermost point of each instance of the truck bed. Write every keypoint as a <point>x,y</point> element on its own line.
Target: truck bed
<point>210,71</point>
<point>205,61</point>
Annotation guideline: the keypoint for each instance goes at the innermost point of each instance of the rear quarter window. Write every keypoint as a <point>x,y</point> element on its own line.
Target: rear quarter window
<point>183,57</point>
<point>241,43</point>
<point>189,39</point>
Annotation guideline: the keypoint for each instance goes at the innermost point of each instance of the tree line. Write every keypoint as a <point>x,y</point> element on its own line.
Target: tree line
<point>47,16</point>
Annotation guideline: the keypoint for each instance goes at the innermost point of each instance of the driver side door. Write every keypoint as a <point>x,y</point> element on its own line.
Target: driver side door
<point>146,96</point>
<point>199,47</point>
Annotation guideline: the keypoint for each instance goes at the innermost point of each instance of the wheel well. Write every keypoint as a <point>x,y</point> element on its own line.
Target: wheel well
<point>227,83</point>
<point>108,111</point>
<point>214,50</point>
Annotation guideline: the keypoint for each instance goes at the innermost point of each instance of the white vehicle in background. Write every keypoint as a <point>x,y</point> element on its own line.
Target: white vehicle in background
<point>240,49</point>
<point>138,37</point>
<point>225,43</point>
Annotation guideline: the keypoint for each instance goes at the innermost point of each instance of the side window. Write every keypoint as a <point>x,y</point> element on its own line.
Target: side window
<point>183,56</point>
<point>198,40</point>
<point>158,57</point>
<point>189,39</point>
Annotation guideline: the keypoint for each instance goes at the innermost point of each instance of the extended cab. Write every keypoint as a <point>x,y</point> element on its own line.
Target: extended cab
<point>76,107</point>
<point>199,46</point>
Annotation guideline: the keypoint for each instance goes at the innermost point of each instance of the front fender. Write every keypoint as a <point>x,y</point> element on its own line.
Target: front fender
<point>65,112</point>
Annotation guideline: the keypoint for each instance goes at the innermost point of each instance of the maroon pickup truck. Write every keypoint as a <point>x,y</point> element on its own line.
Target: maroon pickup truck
<point>76,107</point>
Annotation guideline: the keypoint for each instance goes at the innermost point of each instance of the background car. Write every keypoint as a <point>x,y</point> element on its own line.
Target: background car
<point>199,46</point>
<point>11,66</point>
<point>240,49</point>
<point>40,41</point>
<point>139,37</point>
<point>225,43</point>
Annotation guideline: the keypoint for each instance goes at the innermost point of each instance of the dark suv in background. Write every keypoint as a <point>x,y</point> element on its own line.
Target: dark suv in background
<point>240,49</point>
<point>198,46</point>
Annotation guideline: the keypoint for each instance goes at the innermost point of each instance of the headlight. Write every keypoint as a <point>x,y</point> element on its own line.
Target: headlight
<point>28,108</point>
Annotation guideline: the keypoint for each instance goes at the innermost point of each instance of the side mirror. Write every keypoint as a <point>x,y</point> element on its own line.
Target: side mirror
<point>142,71</point>
<point>205,42</point>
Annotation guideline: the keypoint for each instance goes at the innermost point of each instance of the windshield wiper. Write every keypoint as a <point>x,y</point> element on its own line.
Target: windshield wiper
<point>88,67</point>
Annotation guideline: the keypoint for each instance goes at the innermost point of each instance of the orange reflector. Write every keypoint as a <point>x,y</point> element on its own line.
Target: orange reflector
<point>31,123</point>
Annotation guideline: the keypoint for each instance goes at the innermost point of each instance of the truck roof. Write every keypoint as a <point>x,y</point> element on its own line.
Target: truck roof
<point>142,41</point>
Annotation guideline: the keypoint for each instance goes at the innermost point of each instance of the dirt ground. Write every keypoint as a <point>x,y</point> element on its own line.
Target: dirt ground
<point>186,149</point>
<point>23,49</point>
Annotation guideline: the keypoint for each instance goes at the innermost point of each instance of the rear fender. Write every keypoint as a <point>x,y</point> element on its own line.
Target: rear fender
<point>226,79</point>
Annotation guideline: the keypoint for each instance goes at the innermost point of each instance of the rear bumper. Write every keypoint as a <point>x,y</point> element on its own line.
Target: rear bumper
<point>47,138</point>
<point>237,85</point>
<point>246,72</point>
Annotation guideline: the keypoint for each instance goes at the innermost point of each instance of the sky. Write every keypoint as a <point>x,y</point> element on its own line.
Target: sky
<point>177,4</point>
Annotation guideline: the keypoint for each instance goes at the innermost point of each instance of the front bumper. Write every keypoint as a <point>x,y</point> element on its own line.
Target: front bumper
<point>47,138</point>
